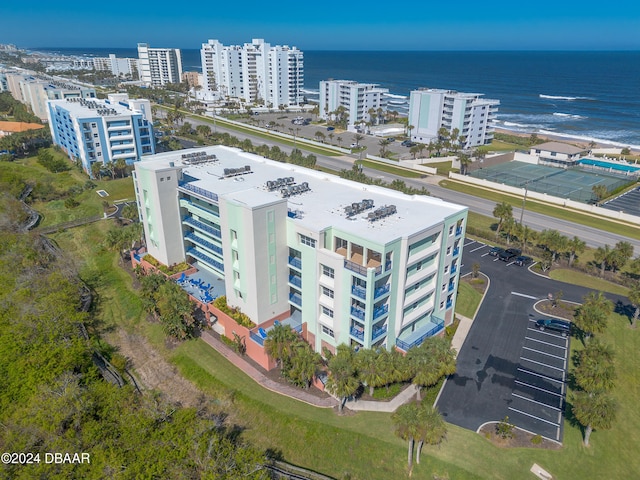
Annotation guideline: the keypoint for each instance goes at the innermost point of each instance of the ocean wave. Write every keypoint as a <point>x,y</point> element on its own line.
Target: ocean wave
<point>393,95</point>
<point>310,91</point>
<point>589,138</point>
<point>561,97</point>
<point>397,102</point>
<point>568,115</point>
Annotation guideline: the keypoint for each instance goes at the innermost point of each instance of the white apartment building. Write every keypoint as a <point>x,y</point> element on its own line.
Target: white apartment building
<point>339,261</point>
<point>159,66</point>
<point>430,109</point>
<point>357,98</point>
<point>255,72</point>
<point>126,67</point>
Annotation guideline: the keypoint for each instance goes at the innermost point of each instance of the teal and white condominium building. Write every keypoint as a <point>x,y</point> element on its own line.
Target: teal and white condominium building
<point>358,264</point>
<point>361,101</point>
<point>94,130</point>
<point>431,109</point>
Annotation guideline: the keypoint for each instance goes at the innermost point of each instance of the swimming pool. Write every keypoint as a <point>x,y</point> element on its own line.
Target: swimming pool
<point>621,167</point>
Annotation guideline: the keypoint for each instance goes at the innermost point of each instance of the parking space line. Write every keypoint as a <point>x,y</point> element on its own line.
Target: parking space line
<point>542,376</point>
<point>524,295</point>
<point>543,364</point>
<point>538,388</point>
<point>533,416</point>
<point>544,333</point>
<point>496,259</point>
<point>539,403</point>
<point>545,353</point>
<point>471,242</point>
<point>546,343</point>
<point>478,248</point>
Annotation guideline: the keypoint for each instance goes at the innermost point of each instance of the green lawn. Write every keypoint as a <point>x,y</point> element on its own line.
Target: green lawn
<point>562,213</point>
<point>399,171</point>
<point>443,167</point>
<point>467,300</point>
<point>584,280</point>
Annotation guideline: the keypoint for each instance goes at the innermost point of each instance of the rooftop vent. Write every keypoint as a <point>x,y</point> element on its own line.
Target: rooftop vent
<point>234,172</point>
<point>381,213</point>
<point>279,183</point>
<point>357,207</point>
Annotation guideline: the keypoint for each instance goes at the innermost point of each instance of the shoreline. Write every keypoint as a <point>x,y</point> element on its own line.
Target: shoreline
<point>582,143</point>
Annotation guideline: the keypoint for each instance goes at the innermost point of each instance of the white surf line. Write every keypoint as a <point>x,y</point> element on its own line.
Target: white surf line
<point>545,343</point>
<point>533,416</point>
<point>523,295</point>
<point>538,388</point>
<point>543,364</point>
<point>478,248</point>
<point>529,372</point>
<point>535,401</point>
<point>545,353</point>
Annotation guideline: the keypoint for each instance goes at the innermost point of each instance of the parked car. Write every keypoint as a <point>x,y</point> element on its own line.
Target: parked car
<point>391,139</point>
<point>407,143</point>
<point>523,260</point>
<point>329,129</point>
<point>509,254</point>
<point>561,326</point>
<point>495,251</point>
<point>354,145</point>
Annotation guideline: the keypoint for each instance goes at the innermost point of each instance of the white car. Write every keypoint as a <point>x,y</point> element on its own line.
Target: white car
<point>354,145</point>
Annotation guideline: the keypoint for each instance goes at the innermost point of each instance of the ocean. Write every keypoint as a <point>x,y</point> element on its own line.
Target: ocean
<point>581,95</point>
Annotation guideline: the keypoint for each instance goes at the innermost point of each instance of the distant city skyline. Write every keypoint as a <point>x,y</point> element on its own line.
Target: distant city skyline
<point>359,25</point>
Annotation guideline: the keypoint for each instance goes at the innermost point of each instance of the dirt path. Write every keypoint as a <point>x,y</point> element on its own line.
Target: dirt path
<point>152,371</point>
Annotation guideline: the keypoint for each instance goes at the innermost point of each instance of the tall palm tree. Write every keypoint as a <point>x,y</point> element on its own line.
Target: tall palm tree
<point>431,361</point>
<point>502,211</point>
<point>595,371</point>
<point>356,138</point>
<point>431,428</point>
<point>593,314</point>
<point>575,247</point>
<point>594,411</point>
<point>406,419</point>
<point>603,256</point>
<point>279,344</point>
<point>342,381</point>
<point>370,368</point>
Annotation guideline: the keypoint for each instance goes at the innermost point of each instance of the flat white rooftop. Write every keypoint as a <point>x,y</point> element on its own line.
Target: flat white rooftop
<point>89,107</point>
<point>321,206</point>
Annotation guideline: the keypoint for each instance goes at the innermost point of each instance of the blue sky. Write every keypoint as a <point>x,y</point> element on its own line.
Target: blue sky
<point>328,24</point>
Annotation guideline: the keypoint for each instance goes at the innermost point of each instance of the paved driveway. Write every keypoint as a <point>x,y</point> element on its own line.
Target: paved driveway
<point>506,366</point>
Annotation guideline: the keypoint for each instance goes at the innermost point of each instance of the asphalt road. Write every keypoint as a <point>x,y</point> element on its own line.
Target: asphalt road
<point>506,367</point>
<point>592,236</point>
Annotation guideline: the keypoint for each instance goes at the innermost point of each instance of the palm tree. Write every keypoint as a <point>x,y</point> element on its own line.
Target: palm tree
<point>409,129</point>
<point>594,411</point>
<point>623,251</point>
<point>502,211</point>
<point>465,161</point>
<point>304,364</point>
<point>599,192</point>
<point>342,381</point>
<point>431,361</point>
<point>634,298</point>
<point>370,369</point>
<point>593,314</point>
<point>595,371</point>
<point>575,246</point>
<point>331,136</point>
<point>279,344</point>
<point>356,139</point>
<point>431,428</point>
<point>407,419</point>
<point>339,140</point>
<point>383,147</point>
<point>603,256</point>
<point>554,241</point>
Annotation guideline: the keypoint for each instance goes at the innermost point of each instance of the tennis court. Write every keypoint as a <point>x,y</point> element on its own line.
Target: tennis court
<point>573,183</point>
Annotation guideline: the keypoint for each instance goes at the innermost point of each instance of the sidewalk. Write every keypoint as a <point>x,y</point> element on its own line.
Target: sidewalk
<point>262,380</point>
<point>365,405</point>
<point>461,332</point>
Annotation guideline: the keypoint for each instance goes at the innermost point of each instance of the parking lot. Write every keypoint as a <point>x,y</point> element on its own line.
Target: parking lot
<point>628,202</point>
<point>507,367</point>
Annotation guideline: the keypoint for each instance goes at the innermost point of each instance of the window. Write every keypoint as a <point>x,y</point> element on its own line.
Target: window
<point>168,178</point>
<point>95,135</point>
<point>451,230</point>
<point>308,241</point>
<point>99,154</point>
<point>446,269</point>
<point>441,305</point>
<point>444,287</point>
<point>419,266</point>
<point>234,235</point>
<point>327,331</point>
<point>328,271</point>
<point>327,311</point>
<point>448,249</point>
<point>94,125</point>
<point>327,291</point>
<point>162,179</point>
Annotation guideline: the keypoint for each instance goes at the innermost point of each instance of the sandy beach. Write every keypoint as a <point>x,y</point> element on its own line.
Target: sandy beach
<point>560,138</point>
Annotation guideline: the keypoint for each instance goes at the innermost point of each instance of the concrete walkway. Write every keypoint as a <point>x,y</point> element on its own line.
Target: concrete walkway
<point>461,332</point>
<point>262,380</point>
<point>366,405</point>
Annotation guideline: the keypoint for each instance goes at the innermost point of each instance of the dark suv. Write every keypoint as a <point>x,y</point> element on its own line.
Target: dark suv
<point>495,251</point>
<point>509,254</point>
<point>522,260</point>
<point>561,326</point>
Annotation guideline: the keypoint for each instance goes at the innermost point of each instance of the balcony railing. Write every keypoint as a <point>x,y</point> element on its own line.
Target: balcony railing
<point>205,258</point>
<point>199,191</point>
<point>202,226</point>
<point>200,207</point>
<point>359,291</point>
<point>454,269</point>
<point>357,312</point>
<point>380,291</point>
<point>295,280</point>
<point>449,303</point>
<point>295,262</point>
<point>451,287</point>
<point>459,231</point>
<point>357,333</point>
<point>295,299</point>
<point>378,332</point>
<point>380,311</point>
<point>354,267</point>
<point>430,333</point>
<point>200,241</point>
<point>456,251</point>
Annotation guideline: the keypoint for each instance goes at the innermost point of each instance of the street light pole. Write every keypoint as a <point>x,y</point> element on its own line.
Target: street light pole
<point>524,200</point>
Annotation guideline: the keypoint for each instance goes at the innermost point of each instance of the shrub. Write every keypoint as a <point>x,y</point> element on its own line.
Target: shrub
<point>167,270</point>
<point>241,318</point>
<point>71,202</point>
<point>536,439</point>
<point>504,429</point>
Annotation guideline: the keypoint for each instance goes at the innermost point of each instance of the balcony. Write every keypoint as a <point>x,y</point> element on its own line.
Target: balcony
<point>295,280</point>
<point>358,313</point>
<point>206,259</point>
<point>202,226</point>
<point>456,251</point>
<point>198,191</point>
<point>359,291</point>
<point>417,337</point>
<point>380,291</point>
<point>458,231</point>
<point>200,210</point>
<point>454,269</point>
<point>451,287</point>
<point>449,303</point>
<point>295,262</point>
<point>357,333</point>
<point>380,311</point>
<point>295,299</point>
<point>202,242</point>
<point>378,332</point>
